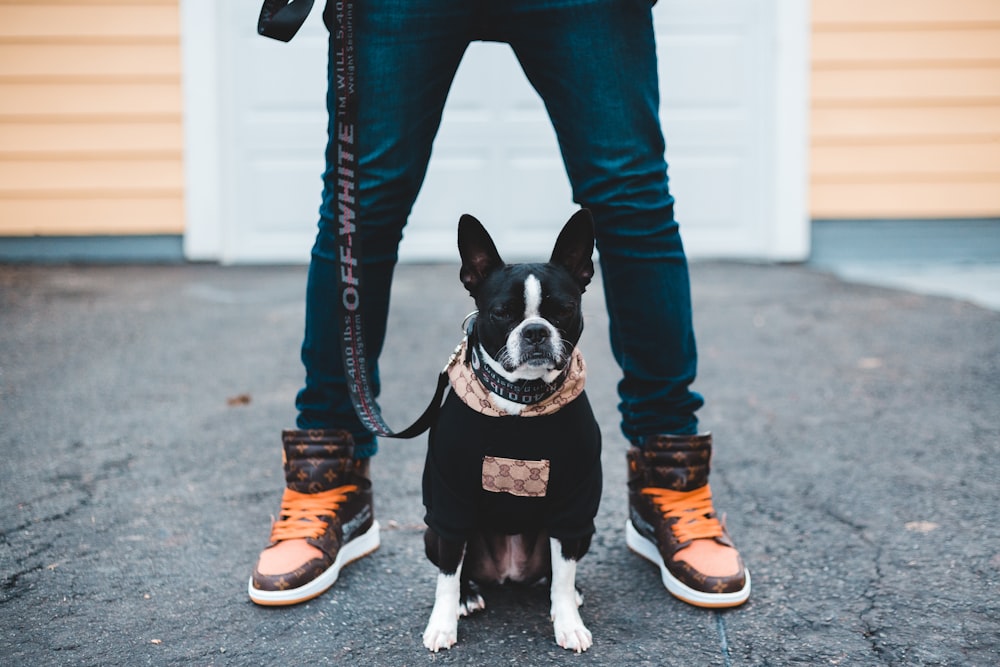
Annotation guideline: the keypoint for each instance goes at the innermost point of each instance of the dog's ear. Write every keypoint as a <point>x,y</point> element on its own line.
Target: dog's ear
<point>575,246</point>
<point>479,254</point>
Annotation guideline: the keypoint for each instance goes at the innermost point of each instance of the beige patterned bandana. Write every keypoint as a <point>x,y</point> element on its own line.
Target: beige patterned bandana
<point>471,391</point>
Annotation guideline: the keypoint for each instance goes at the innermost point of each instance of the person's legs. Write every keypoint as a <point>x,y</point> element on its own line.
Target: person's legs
<point>406,59</point>
<point>594,64</point>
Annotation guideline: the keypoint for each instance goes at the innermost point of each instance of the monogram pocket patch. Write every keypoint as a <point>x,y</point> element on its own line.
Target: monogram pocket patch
<point>519,478</point>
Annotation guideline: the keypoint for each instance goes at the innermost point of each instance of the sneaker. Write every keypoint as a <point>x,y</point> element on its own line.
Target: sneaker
<point>326,519</point>
<point>673,524</point>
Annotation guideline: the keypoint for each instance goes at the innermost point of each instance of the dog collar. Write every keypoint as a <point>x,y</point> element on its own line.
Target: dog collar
<point>525,392</point>
<point>475,394</point>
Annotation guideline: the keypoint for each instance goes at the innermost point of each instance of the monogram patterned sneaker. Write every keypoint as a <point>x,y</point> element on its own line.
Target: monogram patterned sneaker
<point>673,525</point>
<point>326,519</point>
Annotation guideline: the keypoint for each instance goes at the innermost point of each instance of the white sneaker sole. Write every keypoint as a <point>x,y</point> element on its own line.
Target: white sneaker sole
<point>357,548</point>
<point>648,550</point>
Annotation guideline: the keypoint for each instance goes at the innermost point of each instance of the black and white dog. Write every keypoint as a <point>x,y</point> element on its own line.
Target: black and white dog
<point>512,479</point>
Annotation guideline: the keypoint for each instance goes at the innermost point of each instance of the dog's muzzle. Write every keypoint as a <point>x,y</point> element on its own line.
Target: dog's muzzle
<point>535,343</point>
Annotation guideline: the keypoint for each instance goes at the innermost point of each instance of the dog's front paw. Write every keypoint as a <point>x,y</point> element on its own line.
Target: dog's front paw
<point>442,627</point>
<point>571,633</point>
<point>441,632</point>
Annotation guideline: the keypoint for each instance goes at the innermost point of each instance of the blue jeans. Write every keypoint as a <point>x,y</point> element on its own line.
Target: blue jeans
<point>593,62</point>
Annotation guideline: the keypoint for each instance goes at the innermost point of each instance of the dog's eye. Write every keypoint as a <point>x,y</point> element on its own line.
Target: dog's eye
<point>566,311</point>
<point>500,313</point>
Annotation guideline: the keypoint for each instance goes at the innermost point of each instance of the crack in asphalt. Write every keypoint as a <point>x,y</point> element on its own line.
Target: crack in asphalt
<point>871,632</point>
<point>720,626</point>
<point>84,488</point>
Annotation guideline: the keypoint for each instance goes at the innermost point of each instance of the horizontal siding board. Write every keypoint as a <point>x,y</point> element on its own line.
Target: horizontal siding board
<point>89,61</point>
<point>67,175</point>
<point>973,161</point>
<point>906,123</point>
<point>916,86</point>
<point>94,21</point>
<point>32,140</point>
<point>868,13</point>
<point>905,49</point>
<point>90,3</point>
<point>94,215</point>
<point>904,200</point>
<point>78,99</point>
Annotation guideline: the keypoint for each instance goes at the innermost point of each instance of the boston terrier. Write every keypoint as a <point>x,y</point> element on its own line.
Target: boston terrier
<point>512,479</point>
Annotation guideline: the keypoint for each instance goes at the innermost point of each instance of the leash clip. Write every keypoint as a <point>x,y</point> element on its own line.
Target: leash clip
<point>467,325</point>
<point>469,322</point>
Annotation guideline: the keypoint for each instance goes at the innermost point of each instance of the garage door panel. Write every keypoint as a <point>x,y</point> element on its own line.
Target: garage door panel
<point>496,154</point>
<point>295,180</point>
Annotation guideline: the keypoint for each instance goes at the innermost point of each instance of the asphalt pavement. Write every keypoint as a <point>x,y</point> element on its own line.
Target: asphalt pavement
<point>857,433</point>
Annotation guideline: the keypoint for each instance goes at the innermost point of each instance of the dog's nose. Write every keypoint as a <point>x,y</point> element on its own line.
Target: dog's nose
<point>535,333</point>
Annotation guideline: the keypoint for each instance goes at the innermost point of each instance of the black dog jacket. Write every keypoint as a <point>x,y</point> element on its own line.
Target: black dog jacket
<point>513,474</point>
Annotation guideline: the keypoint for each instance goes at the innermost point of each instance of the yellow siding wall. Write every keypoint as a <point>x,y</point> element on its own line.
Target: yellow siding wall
<point>90,117</point>
<point>905,108</point>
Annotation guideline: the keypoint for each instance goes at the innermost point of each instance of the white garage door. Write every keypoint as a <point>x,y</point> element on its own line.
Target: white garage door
<point>733,113</point>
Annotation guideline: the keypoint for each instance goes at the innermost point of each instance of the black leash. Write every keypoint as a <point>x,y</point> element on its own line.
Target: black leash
<point>281,20</point>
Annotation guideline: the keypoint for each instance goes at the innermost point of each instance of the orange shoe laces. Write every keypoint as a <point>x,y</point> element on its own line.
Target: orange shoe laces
<point>301,512</point>
<point>691,509</point>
